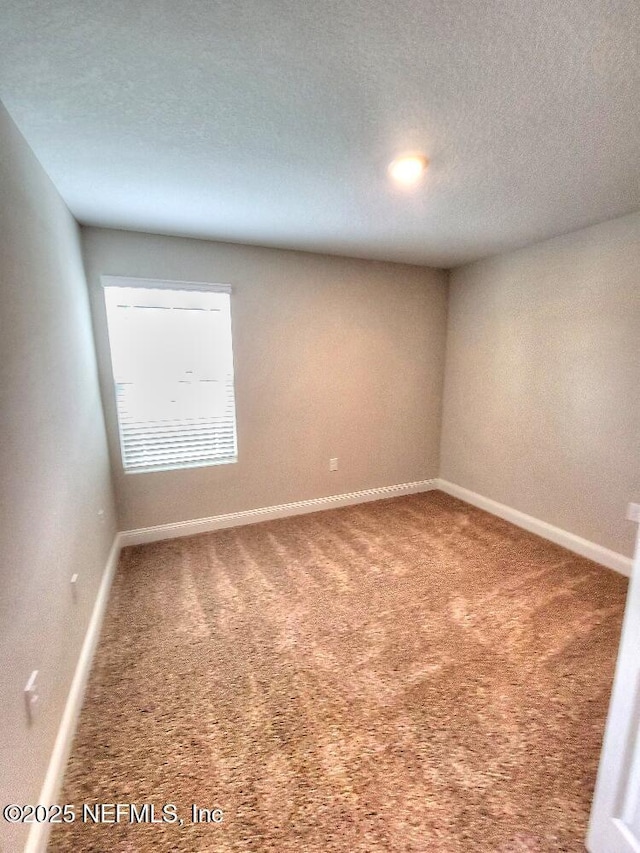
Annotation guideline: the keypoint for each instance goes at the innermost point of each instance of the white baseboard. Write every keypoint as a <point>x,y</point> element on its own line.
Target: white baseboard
<point>267,513</point>
<point>597,553</point>
<point>39,832</point>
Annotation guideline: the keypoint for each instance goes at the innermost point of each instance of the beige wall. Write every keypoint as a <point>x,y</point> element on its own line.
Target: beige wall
<point>333,358</point>
<point>542,389</point>
<point>54,470</point>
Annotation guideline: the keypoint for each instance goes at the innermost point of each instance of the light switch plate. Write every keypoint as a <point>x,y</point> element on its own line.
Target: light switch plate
<point>31,695</point>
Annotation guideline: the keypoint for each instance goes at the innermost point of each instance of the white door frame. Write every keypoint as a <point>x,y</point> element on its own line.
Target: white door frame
<point>614,826</point>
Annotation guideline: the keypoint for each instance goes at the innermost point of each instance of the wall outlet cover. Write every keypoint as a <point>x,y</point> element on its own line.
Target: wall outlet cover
<point>633,512</point>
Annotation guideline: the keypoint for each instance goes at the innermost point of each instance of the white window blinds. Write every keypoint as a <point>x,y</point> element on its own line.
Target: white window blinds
<point>172,360</point>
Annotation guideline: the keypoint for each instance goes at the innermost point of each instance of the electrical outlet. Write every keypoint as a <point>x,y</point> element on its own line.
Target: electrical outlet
<point>333,464</point>
<point>633,513</point>
<point>31,695</point>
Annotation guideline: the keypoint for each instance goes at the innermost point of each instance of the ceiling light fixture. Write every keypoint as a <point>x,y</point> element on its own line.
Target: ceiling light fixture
<point>409,169</point>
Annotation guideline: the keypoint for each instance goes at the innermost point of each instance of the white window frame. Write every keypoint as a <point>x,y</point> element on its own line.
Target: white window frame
<point>109,281</point>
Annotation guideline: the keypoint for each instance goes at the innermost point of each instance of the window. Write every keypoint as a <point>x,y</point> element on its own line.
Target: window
<point>172,361</point>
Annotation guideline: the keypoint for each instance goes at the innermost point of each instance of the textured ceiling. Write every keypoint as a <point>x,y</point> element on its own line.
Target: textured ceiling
<point>272,121</point>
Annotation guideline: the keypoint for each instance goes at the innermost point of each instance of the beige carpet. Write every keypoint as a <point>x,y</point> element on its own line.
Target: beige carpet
<point>409,675</point>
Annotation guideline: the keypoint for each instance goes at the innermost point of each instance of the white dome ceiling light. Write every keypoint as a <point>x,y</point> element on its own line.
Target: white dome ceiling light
<point>408,170</point>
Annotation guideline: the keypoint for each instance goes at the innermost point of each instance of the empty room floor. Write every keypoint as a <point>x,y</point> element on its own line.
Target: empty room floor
<point>407,675</point>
